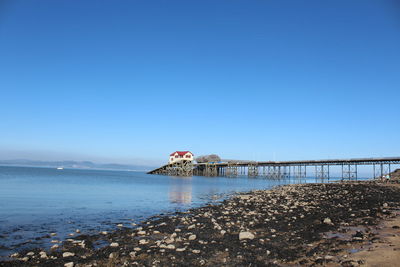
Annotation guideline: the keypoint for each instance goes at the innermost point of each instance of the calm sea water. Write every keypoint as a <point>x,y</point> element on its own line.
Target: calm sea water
<point>35,202</point>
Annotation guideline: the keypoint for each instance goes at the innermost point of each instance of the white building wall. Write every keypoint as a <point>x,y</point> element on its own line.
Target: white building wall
<point>172,159</point>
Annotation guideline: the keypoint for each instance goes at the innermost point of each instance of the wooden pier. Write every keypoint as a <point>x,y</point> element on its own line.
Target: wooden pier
<point>180,168</point>
<point>280,169</point>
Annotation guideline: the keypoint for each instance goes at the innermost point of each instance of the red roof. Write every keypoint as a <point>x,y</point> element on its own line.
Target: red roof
<point>181,153</point>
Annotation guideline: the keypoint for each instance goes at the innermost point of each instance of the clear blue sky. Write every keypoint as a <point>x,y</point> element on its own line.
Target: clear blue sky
<point>132,81</point>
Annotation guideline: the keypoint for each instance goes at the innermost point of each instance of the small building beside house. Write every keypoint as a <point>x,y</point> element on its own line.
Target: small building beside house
<point>180,155</point>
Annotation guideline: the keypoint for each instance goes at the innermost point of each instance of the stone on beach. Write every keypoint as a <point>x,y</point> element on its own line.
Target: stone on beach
<point>68,254</point>
<point>43,255</point>
<point>114,244</point>
<point>69,264</point>
<point>169,240</point>
<point>192,237</point>
<point>246,235</point>
<point>244,197</point>
<point>112,255</point>
<point>143,241</point>
<point>328,221</point>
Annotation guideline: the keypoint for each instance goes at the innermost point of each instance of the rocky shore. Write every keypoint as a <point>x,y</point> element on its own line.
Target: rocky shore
<point>292,225</point>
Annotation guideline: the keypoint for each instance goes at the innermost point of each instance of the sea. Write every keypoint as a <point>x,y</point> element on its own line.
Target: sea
<point>35,202</point>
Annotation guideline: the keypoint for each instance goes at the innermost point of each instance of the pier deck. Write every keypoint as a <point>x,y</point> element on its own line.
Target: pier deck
<point>280,169</point>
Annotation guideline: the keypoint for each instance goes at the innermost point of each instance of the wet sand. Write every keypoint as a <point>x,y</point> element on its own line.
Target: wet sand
<point>335,224</point>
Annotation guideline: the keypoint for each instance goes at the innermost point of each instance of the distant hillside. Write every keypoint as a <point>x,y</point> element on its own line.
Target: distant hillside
<point>74,164</point>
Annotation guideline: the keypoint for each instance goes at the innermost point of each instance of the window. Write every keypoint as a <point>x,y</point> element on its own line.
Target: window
<point>176,156</point>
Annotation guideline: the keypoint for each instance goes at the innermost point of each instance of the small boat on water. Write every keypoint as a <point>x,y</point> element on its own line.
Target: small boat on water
<point>60,168</point>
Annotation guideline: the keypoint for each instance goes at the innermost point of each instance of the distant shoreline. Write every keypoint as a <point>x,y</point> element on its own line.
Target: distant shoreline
<point>72,168</point>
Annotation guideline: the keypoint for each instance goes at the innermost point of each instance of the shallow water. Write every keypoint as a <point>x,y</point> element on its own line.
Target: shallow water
<point>35,202</point>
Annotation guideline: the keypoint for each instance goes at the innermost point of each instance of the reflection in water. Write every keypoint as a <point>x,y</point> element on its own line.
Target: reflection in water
<point>180,190</point>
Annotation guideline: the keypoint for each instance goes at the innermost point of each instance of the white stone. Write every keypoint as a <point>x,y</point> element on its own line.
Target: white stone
<point>55,246</point>
<point>223,232</point>
<point>132,254</point>
<point>77,231</point>
<point>170,246</point>
<point>68,254</point>
<point>192,237</point>
<point>114,244</point>
<point>143,241</point>
<point>245,235</point>
<point>169,240</point>
<point>104,233</point>
<point>328,221</point>
<point>180,249</point>
<point>191,226</point>
<point>43,255</point>
<point>69,264</point>
<point>141,233</point>
<point>112,255</point>
<point>30,253</point>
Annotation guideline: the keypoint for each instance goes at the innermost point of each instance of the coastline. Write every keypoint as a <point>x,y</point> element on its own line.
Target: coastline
<point>335,224</point>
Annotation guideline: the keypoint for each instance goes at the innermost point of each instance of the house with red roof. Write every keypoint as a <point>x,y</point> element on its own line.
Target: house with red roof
<point>180,155</point>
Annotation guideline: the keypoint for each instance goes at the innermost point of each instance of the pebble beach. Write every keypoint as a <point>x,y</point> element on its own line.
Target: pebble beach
<point>324,224</point>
